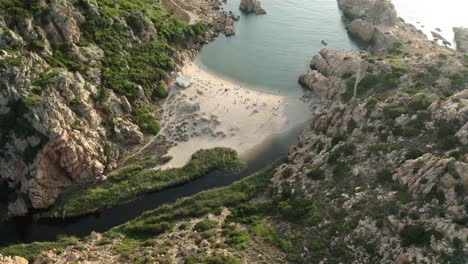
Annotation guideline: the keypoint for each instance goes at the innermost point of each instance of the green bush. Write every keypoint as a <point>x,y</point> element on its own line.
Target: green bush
<point>286,173</point>
<point>419,103</point>
<point>316,173</point>
<point>414,153</point>
<point>160,92</point>
<point>378,148</point>
<point>205,225</point>
<point>37,45</point>
<point>221,259</point>
<point>393,111</point>
<point>144,117</point>
<point>417,235</point>
<point>32,100</point>
<point>136,23</point>
<point>384,176</point>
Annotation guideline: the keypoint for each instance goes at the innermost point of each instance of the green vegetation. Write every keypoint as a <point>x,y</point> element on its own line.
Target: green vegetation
<point>235,238</point>
<point>131,68</point>
<point>32,100</point>
<point>144,117</point>
<point>286,173</point>
<point>414,153</point>
<point>377,83</point>
<point>316,173</point>
<point>417,235</point>
<point>205,225</point>
<point>132,181</point>
<point>156,221</point>
<point>220,259</point>
<point>30,251</point>
<point>342,151</point>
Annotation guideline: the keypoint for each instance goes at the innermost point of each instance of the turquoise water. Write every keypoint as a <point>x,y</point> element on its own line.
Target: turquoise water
<point>269,52</point>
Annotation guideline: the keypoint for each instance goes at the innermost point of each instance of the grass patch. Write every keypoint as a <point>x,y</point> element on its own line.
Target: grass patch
<point>30,251</point>
<point>132,181</point>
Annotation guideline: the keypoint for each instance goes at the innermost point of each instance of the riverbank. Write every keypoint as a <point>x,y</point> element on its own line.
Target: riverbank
<point>133,181</point>
<point>214,112</point>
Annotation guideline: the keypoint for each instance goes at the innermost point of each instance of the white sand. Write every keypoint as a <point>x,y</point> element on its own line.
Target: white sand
<point>247,118</point>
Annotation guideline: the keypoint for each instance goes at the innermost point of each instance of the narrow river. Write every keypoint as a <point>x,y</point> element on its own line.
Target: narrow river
<point>24,229</point>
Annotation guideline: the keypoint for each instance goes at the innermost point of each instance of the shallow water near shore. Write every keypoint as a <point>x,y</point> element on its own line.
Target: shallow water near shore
<point>269,52</point>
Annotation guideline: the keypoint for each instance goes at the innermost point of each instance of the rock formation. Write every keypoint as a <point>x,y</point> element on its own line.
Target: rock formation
<point>249,6</point>
<point>461,38</point>
<point>69,106</point>
<point>371,21</point>
<point>12,260</point>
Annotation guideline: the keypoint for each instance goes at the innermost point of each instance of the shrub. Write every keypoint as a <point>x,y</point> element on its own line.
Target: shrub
<point>338,138</point>
<point>417,235</point>
<point>37,45</point>
<point>414,153</point>
<point>384,176</point>
<point>160,92</point>
<point>221,259</point>
<point>136,23</point>
<point>419,103</point>
<point>205,225</point>
<point>393,111</point>
<point>316,173</point>
<point>286,173</point>
<point>32,100</point>
<point>378,148</point>
<point>341,171</point>
<point>403,196</point>
<point>143,116</point>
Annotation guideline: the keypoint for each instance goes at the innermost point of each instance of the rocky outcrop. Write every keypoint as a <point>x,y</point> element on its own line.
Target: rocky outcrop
<point>406,146</point>
<point>12,260</point>
<point>461,38</point>
<point>68,112</point>
<point>229,27</point>
<point>249,6</point>
<point>328,67</point>
<point>372,21</point>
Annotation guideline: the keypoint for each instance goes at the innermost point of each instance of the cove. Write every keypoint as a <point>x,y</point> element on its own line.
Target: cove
<point>26,230</point>
<point>269,52</point>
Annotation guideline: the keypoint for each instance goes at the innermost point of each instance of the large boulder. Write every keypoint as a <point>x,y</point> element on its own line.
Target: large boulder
<point>250,6</point>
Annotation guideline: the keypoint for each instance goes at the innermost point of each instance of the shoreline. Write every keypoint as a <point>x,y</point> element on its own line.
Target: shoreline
<point>214,112</point>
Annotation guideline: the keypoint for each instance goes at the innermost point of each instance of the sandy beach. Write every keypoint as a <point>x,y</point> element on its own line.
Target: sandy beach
<point>214,112</point>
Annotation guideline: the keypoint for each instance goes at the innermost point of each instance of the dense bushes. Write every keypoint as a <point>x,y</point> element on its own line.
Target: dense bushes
<point>316,173</point>
<point>417,235</point>
<point>143,116</point>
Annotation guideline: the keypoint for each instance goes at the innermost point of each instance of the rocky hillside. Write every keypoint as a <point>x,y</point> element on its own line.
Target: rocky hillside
<point>80,83</point>
<point>379,176</point>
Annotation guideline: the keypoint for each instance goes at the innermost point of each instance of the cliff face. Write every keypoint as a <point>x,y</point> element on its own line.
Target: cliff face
<point>371,21</point>
<point>387,148</point>
<point>78,83</point>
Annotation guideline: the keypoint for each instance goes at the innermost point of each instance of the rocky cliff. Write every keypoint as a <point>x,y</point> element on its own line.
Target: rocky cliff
<point>372,21</point>
<point>386,148</point>
<point>79,84</point>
